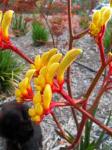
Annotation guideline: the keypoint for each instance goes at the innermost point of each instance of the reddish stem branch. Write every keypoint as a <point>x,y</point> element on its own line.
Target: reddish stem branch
<point>94,82</point>
<point>69,3</point>
<point>20,53</point>
<point>80,130</point>
<point>59,126</point>
<point>87,114</point>
<point>97,100</point>
<point>104,127</point>
<point>99,41</point>
<point>79,35</point>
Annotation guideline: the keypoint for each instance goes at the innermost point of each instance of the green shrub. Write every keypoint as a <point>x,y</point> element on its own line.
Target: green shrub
<point>19,25</point>
<point>9,72</point>
<point>39,33</point>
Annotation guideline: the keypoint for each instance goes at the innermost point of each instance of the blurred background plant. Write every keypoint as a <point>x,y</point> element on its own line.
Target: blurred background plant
<point>108,37</point>
<point>84,21</point>
<point>19,25</point>
<point>10,69</point>
<point>40,34</point>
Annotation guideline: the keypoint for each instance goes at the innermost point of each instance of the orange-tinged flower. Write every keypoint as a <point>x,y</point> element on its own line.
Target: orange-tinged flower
<point>45,77</point>
<point>24,91</point>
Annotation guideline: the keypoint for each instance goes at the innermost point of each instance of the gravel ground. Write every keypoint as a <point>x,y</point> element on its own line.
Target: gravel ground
<point>81,77</point>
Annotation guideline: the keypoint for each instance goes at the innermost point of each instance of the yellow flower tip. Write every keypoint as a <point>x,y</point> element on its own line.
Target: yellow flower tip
<point>52,70</point>
<point>30,73</point>
<point>37,98</point>
<point>55,59</point>
<point>96,17</point>
<point>38,88</point>
<point>40,81</point>
<point>17,93</point>
<point>43,71</point>
<point>31,112</point>
<point>7,18</point>
<point>106,15</point>
<point>65,63</point>
<point>36,118</point>
<point>37,62</point>
<point>24,84</point>
<point>44,59</point>
<point>39,109</point>
<point>47,96</point>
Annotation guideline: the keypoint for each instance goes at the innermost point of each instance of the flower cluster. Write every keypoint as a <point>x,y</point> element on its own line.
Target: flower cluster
<point>45,77</point>
<point>99,20</point>
<point>5,21</point>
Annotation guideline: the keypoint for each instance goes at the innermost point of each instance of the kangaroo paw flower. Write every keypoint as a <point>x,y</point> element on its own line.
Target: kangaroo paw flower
<point>46,76</point>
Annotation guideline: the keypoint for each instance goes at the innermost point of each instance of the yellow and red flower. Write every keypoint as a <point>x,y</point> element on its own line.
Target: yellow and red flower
<point>5,21</point>
<point>44,77</point>
<point>99,20</point>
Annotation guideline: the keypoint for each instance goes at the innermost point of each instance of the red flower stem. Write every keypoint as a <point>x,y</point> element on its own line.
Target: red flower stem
<point>82,124</point>
<point>20,53</point>
<point>88,115</point>
<point>98,98</point>
<point>69,4</point>
<point>70,100</point>
<point>79,35</point>
<point>94,82</point>
<point>100,45</point>
<point>80,130</point>
<point>96,79</point>
<point>59,104</point>
<point>59,125</point>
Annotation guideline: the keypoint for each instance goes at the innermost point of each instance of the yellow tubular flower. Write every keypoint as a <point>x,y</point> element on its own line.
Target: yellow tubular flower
<point>37,62</point>
<point>96,17</point>
<point>32,112</point>
<point>47,96</point>
<point>30,73</point>
<point>1,16</point>
<point>47,55</point>
<point>40,80</point>
<point>99,19</point>
<point>37,98</point>
<point>55,59</point>
<point>43,71</point>
<point>44,58</point>
<point>51,72</point>
<point>7,17</point>
<point>18,93</point>
<point>23,84</point>
<point>36,118</point>
<point>103,9</point>
<point>39,109</point>
<point>106,16</point>
<point>52,52</point>
<point>38,88</point>
<point>67,60</point>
